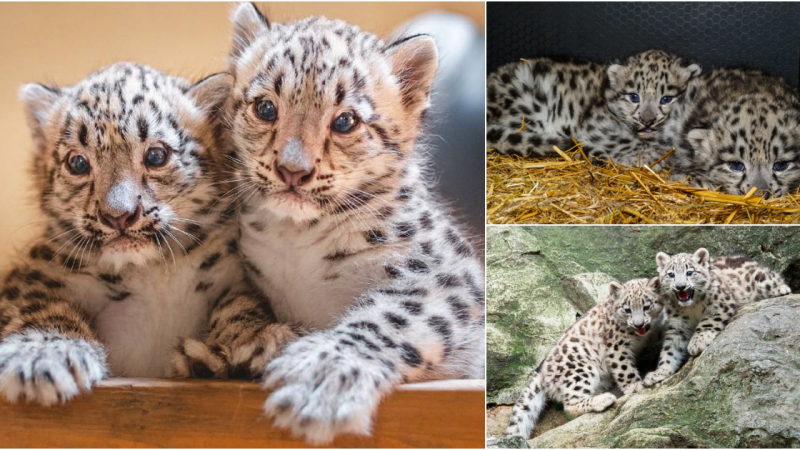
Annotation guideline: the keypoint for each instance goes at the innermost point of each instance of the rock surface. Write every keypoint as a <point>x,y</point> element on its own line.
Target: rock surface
<point>743,391</point>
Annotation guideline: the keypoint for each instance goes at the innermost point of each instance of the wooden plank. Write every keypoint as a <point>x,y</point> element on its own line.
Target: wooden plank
<point>219,413</point>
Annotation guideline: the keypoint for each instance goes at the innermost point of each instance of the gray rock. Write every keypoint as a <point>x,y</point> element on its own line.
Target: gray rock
<point>743,391</point>
<point>585,290</point>
<point>507,442</point>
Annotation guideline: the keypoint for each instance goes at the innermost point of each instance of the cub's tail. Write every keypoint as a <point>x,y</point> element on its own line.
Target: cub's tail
<point>527,409</point>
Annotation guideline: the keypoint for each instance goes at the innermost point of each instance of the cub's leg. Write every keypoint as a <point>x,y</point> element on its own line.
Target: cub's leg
<point>716,317</point>
<point>578,388</point>
<point>48,351</point>
<point>673,353</point>
<point>243,337</point>
<point>622,364</point>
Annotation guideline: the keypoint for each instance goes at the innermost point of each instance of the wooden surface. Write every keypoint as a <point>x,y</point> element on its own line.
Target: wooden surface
<point>199,413</point>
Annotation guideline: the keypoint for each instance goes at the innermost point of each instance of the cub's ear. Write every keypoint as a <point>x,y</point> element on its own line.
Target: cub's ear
<point>701,257</point>
<point>248,23</point>
<point>210,93</point>
<point>614,73</point>
<point>413,61</point>
<point>654,284</point>
<point>684,71</point>
<point>614,289</point>
<point>662,259</point>
<point>698,139</point>
<point>38,101</point>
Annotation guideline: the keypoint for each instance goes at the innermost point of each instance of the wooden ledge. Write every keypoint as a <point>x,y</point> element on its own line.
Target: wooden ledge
<point>202,413</point>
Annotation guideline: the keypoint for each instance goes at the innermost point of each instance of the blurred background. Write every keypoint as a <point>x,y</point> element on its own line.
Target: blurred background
<point>60,43</point>
<point>758,35</point>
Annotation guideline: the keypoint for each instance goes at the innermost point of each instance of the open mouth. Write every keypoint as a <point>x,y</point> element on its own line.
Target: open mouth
<point>647,132</point>
<point>641,331</point>
<point>685,297</point>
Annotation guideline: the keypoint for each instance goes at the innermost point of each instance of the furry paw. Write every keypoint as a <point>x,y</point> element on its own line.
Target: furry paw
<point>195,359</point>
<point>47,368</point>
<point>322,388</point>
<point>656,377</point>
<point>602,402</point>
<point>244,357</point>
<point>700,341</point>
<point>633,388</point>
<point>782,290</point>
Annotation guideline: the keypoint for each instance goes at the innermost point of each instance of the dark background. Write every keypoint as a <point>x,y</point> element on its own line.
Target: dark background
<point>763,35</point>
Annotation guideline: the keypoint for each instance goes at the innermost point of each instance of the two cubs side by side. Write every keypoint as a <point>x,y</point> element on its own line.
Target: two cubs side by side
<point>275,222</point>
<point>732,129</point>
<point>687,305</point>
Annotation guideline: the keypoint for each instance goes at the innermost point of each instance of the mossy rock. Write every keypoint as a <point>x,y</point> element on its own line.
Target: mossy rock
<point>743,391</point>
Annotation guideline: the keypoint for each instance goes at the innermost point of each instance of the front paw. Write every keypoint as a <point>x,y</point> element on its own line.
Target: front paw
<point>656,377</point>
<point>243,357</point>
<point>700,341</point>
<point>325,385</point>
<point>47,368</point>
<point>633,388</point>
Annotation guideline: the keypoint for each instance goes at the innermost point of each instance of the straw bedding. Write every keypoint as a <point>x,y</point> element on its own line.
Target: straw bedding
<point>566,188</point>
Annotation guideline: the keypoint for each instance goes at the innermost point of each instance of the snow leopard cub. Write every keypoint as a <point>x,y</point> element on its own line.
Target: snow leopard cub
<point>339,227</point>
<point>701,297</point>
<point>600,349</point>
<point>739,129</point>
<point>617,111</point>
<point>137,249</point>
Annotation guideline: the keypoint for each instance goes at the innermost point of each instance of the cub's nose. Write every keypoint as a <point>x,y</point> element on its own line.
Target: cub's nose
<point>123,221</point>
<point>680,287</point>
<point>647,122</point>
<point>294,178</point>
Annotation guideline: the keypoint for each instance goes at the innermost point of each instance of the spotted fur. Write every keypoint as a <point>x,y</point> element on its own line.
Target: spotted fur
<point>596,352</point>
<point>340,230</point>
<point>132,255</point>
<point>701,297</point>
<point>740,129</point>
<point>618,111</point>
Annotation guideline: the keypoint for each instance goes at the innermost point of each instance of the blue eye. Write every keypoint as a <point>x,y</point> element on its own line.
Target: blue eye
<point>634,98</point>
<point>689,273</point>
<point>156,156</point>
<point>78,165</point>
<point>736,166</point>
<point>671,274</point>
<point>265,110</point>
<point>780,166</point>
<point>666,100</point>
<point>345,123</point>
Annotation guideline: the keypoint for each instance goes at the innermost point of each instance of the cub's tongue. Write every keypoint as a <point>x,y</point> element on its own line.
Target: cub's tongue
<point>683,295</point>
<point>641,331</point>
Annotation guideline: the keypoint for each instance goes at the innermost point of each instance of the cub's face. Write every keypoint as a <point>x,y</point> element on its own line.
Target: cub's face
<point>323,115</point>
<point>753,143</point>
<point>637,304</point>
<point>683,274</point>
<point>644,89</point>
<point>123,162</point>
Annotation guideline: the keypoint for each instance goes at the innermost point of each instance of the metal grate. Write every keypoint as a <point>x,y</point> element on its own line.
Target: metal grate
<point>763,36</point>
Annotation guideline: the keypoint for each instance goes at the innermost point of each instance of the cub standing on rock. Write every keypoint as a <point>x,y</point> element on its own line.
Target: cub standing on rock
<point>700,299</point>
<point>599,349</point>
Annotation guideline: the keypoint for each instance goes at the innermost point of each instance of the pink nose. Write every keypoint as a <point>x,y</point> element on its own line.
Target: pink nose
<point>123,221</point>
<point>294,178</point>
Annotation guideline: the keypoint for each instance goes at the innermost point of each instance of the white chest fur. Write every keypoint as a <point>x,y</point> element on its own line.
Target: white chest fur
<point>301,284</point>
<point>141,317</point>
